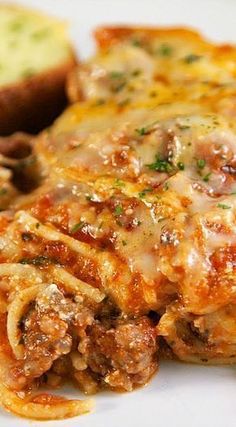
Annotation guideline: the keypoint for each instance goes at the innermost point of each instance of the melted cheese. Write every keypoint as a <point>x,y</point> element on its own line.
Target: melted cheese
<point>142,170</point>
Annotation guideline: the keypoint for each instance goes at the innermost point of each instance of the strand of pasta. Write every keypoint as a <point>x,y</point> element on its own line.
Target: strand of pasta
<point>50,410</point>
<point>105,261</point>
<point>76,285</point>
<point>197,351</point>
<point>19,271</point>
<point>16,310</point>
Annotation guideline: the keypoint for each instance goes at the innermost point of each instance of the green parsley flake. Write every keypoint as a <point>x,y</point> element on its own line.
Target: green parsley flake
<point>166,186</point>
<point>119,183</point>
<point>143,193</point>
<point>207,177</point>
<point>223,206</point>
<point>118,210</point>
<point>28,72</point>
<point>183,127</point>
<point>40,261</point>
<point>146,129</point>
<point>141,131</point>
<point>160,165</point>
<point>77,227</point>
<point>100,225</point>
<point>89,198</point>
<point>201,163</point>
<point>41,34</point>
<point>189,59</point>
<point>136,42</point>
<point>165,50</point>
<point>181,166</point>
<point>116,74</point>
<point>16,25</point>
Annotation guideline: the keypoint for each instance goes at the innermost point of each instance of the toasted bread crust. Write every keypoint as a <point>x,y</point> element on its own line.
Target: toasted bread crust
<point>107,36</point>
<point>34,103</point>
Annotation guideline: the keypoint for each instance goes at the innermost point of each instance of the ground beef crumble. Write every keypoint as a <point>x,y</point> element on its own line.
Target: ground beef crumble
<point>67,338</point>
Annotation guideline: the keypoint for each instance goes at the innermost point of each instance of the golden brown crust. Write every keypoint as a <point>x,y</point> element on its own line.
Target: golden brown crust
<point>34,103</point>
<point>73,90</point>
<point>107,36</point>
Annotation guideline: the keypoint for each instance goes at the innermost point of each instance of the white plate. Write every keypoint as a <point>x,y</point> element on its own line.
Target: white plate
<point>180,395</point>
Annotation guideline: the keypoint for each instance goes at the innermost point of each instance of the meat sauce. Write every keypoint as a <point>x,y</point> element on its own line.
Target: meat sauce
<point>137,199</point>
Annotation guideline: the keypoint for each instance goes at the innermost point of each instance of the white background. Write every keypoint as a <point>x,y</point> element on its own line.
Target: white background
<point>180,395</point>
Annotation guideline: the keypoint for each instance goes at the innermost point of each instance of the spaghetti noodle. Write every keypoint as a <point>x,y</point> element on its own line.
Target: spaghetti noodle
<point>129,239</point>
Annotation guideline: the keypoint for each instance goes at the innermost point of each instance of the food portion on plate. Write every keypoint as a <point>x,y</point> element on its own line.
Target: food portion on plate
<point>124,250</point>
<point>36,56</point>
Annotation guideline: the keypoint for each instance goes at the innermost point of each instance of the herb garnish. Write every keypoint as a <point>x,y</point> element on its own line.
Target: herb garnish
<point>77,227</point>
<point>183,127</point>
<point>118,81</point>
<point>161,165</point>
<point>201,163</point>
<point>143,193</point>
<point>145,130</point>
<point>118,210</point>
<point>41,34</point>
<point>189,59</point>
<point>39,261</point>
<point>100,225</point>
<point>207,177</point>
<point>136,42</point>
<point>89,197</point>
<point>165,50</point>
<point>166,186</point>
<point>116,74</point>
<point>16,25</point>
<point>119,183</point>
<point>181,166</point>
<point>223,206</point>
<point>28,72</point>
